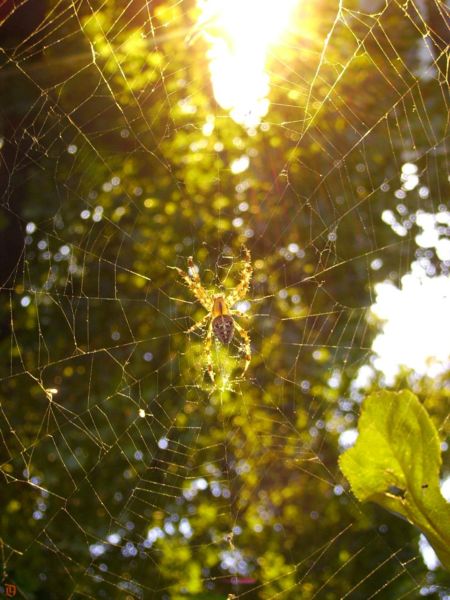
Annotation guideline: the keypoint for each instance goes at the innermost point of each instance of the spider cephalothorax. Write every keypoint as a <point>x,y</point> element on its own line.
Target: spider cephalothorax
<point>220,309</point>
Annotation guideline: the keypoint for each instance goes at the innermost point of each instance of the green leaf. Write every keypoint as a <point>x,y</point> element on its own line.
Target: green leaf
<point>396,462</point>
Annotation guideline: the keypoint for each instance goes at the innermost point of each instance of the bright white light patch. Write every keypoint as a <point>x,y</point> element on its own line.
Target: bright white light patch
<point>409,176</point>
<point>416,326</point>
<point>445,488</point>
<point>240,33</point>
<point>163,443</point>
<point>114,538</point>
<point>428,554</point>
<point>432,232</point>
<point>97,550</point>
<point>243,306</point>
<point>240,164</point>
<point>409,169</point>
<point>348,438</point>
<point>185,528</point>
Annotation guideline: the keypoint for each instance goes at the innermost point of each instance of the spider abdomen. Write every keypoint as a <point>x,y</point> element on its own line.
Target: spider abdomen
<point>223,327</point>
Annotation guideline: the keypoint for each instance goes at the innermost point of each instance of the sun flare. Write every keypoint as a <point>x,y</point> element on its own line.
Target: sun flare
<point>240,34</point>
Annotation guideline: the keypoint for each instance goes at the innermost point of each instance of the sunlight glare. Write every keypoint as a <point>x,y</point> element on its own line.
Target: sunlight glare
<point>240,33</point>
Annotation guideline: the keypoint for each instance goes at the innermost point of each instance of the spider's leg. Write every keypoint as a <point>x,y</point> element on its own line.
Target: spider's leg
<point>182,274</point>
<point>208,343</point>
<point>192,280</point>
<point>196,286</point>
<point>246,339</point>
<point>240,291</point>
<point>199,324</point>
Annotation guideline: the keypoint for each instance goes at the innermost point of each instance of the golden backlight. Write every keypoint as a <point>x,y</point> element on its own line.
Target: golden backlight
<point>240,34</point>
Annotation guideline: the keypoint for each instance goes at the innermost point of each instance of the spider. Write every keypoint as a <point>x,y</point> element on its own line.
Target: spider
<point>220,309</point>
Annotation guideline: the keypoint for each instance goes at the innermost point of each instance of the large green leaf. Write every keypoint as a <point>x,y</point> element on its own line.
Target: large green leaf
<point>396,462</point>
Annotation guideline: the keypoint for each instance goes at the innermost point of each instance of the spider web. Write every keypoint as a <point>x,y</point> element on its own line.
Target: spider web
<point>126,472</point>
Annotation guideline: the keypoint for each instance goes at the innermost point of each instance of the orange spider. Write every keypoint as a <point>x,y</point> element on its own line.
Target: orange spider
<point>220,309</point>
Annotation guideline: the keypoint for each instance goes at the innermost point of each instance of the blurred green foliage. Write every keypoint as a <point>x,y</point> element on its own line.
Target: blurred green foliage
<point>138,478</point>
